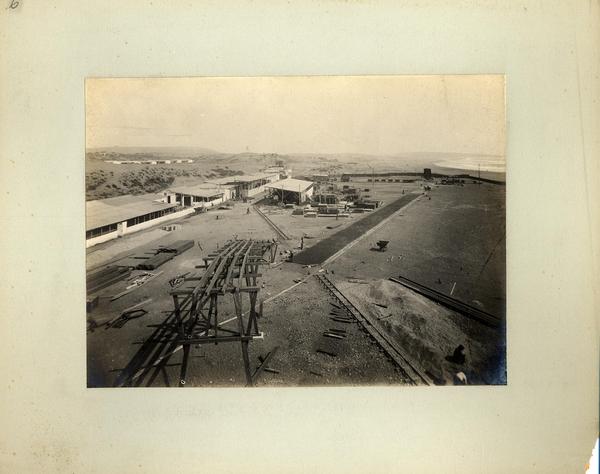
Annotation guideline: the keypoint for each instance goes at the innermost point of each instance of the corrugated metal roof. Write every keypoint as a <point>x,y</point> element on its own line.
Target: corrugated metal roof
<point>103,212</point>
<point>291,184</point>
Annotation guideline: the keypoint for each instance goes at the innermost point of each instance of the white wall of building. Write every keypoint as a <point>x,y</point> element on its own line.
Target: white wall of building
<point>125,229</point>
<point>101,238</point>
<point>212,203</point>
<point>255,191</point>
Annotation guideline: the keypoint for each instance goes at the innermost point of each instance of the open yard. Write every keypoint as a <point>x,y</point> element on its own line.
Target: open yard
<point>451,239</point>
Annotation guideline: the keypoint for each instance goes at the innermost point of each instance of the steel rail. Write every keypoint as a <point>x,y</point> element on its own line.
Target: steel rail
<point>408,367</point>
<point>274,226</point>
<point>452,303</point>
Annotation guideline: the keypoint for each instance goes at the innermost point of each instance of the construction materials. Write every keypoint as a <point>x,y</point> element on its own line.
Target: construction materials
<point>177,247</point>
<point>156,261</point>
<point>340,320</point>
<point>232,270</point>
<point>137,305</point>
<point>273,226</point>
<point>414,373</point>
<point>263,365</point>
<point>337,330</point>
<point>137,282</point>
<point>178,280</point>
<point>328,352</point>
<point>105,277</point>
<point>449,302</point>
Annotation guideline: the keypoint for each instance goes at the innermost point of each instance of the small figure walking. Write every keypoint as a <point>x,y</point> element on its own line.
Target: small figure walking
<point>302,243</point>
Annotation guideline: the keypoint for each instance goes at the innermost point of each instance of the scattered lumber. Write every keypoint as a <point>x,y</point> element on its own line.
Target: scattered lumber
<point>328,352</point>
<point>343,320</point>
<point>263,365</point>
<point>105,277</point>
<point>137,283</point>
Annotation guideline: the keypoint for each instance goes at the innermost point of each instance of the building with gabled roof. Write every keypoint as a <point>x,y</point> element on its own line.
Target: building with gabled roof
<point>292,190</point>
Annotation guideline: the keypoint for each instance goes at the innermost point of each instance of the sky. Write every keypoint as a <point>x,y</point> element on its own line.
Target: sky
<point>377,115</point>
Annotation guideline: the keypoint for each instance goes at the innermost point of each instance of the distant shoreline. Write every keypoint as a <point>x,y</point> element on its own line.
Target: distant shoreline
<point>470,164</point>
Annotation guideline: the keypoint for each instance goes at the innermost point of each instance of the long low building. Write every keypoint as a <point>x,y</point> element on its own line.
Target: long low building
<point>199,195</point>
<point>110,218</point>
<point>292,190</point>
<point>246,185</point>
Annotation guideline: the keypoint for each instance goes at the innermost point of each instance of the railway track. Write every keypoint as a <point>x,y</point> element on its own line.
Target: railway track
<point>452,303</point>
<point>385,341</point>
<point>274,226</point>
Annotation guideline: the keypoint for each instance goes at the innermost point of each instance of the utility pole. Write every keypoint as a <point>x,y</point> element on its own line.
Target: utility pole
<point>372,177</point>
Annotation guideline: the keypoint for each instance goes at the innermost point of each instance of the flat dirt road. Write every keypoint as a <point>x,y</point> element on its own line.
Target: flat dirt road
<point>324,249</point>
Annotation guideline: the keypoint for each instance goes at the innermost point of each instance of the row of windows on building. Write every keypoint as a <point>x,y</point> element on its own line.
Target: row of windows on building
<point>149,217</point>
<point>107,229</point>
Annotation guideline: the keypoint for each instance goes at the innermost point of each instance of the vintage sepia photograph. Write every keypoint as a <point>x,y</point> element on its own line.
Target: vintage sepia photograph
<point>295,231</point>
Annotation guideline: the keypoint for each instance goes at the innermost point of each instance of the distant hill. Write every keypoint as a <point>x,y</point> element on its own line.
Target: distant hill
<point>163,150</point>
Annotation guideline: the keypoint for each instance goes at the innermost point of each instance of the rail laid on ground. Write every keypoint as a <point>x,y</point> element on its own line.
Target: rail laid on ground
<point>385,341</point>
<point>274,226</point>
<point>451,303</point>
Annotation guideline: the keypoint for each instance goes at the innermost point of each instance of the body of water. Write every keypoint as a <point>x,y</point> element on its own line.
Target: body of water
<point>491,167</point>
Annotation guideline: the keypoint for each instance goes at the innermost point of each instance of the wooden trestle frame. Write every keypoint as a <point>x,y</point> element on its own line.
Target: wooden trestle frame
<point>233,270</point>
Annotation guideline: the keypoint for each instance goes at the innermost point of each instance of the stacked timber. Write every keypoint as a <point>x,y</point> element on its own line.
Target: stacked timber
<point>156,261</point>
<point>177,247</point>
<point>105,277</point>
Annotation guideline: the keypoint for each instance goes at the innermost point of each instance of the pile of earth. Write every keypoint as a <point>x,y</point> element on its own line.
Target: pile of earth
<point>430,333</point>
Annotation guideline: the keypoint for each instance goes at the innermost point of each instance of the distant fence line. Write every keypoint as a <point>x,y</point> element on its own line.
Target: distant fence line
<point>413,173</point>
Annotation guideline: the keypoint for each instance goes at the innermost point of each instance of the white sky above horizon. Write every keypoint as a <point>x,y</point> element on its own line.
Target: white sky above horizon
<point>379,115</point>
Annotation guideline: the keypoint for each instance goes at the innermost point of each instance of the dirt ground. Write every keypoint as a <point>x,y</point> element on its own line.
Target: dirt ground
<point>457,236</point>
